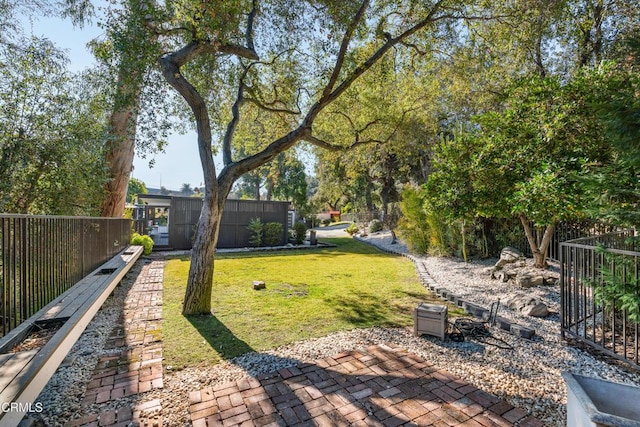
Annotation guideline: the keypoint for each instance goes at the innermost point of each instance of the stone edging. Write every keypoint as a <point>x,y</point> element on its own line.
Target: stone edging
<point>469,307</point>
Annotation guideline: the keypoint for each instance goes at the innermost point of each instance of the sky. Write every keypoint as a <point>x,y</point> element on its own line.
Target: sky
<point>180,163</point>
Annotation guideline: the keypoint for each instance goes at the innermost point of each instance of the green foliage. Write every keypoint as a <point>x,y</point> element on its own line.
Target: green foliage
<point>299,232</point>
<point>144,241</point>
<point>619,286</point>
<point>352,229</point>
<point>613,187</point>
<point>256,229</point>
<point>326,222</point>
<point>375,225</point>
<point>134,188</point>
<point>413,226</point>
<point>272,233</point>
<point>51,134</point>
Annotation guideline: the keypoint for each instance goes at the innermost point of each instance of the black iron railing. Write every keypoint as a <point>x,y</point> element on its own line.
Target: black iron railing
<point>42,256</point>
<point>598,275</point>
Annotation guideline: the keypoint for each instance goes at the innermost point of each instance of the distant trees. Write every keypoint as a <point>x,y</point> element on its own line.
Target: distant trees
<point>186,190</point>
<point>134,188</point>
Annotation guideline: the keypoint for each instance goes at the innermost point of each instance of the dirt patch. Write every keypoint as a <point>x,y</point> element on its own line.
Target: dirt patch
<point>37,338</point>
<point>289,290</point>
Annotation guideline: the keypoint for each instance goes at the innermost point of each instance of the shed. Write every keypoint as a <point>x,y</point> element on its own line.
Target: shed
<point>171,220</point>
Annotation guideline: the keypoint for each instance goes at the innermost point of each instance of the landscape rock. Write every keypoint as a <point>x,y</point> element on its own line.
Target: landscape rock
<point>527,305</point>
<point>538,310</point>
<point>528,280</point>
<point>509,255</point>
<point>258,284</point>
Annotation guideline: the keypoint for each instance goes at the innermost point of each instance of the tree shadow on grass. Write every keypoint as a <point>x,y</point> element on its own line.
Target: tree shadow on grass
<point>364,309</point>
<point>218,336</point>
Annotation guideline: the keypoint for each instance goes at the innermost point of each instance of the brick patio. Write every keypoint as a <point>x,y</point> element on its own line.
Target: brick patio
<point>379,386</point>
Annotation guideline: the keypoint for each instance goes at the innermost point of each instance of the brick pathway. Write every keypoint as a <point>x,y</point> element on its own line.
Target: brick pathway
<point>131,369</point>
<point>381,386</point>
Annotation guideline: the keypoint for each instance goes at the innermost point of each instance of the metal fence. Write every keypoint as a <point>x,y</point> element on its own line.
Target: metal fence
<point>43,256</point>
<point>600,276</point>
<point>564,231</point>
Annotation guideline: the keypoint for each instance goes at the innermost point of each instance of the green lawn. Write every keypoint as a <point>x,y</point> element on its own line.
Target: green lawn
<point>309,294</point>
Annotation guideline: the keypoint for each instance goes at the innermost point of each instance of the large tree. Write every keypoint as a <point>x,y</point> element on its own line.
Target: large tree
<point>289,59</point>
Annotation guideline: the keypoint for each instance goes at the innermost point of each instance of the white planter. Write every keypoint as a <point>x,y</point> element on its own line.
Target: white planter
<point>596,402</point>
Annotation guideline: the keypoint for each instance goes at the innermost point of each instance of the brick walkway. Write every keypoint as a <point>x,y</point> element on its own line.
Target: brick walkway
<point>381,386</point>
<point>121,390</point>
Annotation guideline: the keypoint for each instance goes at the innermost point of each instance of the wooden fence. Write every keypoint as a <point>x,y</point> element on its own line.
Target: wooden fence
<point>42,256</point>
<point>599,275</point>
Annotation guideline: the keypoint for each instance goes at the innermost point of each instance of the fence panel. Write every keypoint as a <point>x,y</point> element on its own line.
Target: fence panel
<point>594,284</point>
<point>43,256</point>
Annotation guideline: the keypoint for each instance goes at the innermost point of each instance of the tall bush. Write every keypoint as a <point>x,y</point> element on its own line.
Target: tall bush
<point>413,226</point>
<point>299,232</point>
<point>272,233</point>
<point>256,229</point>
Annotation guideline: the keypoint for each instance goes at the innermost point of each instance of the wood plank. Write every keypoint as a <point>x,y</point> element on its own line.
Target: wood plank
<point>13,367</point>
<point>77,291</point>
<point>72,307</point>
<point>4,358</point>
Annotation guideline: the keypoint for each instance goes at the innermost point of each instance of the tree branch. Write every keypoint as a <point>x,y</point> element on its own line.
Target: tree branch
<point>362,68</point>
<point>332,147</point>
<point>346,39</point>
<point>235,119</point>
<point>266,107</point>
<point>171,71</point>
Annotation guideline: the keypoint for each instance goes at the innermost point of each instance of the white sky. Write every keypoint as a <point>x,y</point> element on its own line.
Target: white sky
<point>180,163</point>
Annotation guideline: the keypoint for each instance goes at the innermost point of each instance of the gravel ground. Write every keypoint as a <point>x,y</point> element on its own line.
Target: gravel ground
<point>527,376</point>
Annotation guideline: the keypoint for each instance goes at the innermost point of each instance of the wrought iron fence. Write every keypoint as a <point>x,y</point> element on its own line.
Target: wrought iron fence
<point>600,283</point>
<point>42,256</point>
<point>564,231</point>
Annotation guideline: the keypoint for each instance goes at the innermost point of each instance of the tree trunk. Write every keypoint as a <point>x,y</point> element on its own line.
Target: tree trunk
<point>463,232</point>
<point>199,285</point>
<point>120,152</point>
<point>539,250</point>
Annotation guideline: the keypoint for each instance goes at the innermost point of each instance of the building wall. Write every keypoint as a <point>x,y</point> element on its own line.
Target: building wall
<point>185,211</point>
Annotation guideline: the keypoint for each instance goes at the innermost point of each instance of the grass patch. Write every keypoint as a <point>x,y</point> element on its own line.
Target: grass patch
<point>308,294</point>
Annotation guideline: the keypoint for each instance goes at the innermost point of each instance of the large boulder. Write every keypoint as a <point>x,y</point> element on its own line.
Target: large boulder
<point>527,305</point>
<point>509,255</point>
<point>529,280</point>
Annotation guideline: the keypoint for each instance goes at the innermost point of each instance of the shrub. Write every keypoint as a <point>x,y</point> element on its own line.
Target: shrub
<point>375,225</point>
<point>145,241</point>
<point>326,222</point>
<point>415,225</point>
<point>352,229</point>
<point>272,233</point>
<point>299,232</point>
<point>255,227</point>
